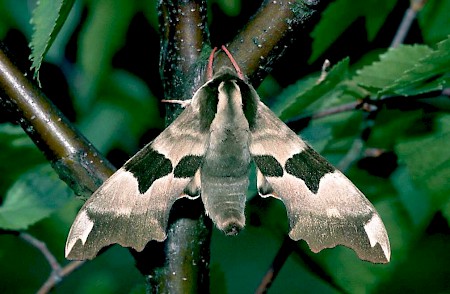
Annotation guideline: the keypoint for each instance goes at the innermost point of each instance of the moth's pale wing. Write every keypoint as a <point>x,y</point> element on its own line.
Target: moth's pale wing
<point>325,209</point>
<point>132,207</point>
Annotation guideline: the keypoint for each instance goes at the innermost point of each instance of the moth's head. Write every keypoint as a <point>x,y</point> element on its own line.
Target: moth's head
<point>225,70</point>
<point>226,73</point>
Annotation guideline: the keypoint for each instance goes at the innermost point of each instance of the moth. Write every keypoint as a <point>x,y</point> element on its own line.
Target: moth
<point>208,152</point>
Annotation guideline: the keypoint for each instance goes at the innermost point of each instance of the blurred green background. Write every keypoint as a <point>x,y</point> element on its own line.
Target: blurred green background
<point>102,71</point>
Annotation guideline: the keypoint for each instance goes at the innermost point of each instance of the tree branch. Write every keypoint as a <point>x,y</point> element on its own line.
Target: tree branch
<point>180,264</point>
<point>75,160</point>
<point>268,34</point>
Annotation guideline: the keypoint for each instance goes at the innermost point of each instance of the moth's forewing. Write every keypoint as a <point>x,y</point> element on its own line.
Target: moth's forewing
<point>132,207</point>
<point>324,208</point>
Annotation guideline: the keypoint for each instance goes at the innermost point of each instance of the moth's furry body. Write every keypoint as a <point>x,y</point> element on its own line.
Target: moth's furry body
<point>226,165</point>
<point>208,151</point>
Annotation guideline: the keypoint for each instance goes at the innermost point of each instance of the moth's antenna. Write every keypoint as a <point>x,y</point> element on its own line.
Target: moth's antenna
<point>209,71</point>
<point>233,61</point>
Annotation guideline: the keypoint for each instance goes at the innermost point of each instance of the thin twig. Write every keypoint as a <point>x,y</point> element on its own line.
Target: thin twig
<point>408,18</point>
<point>337,109</point>
<point>298,123</point>
<point>57,272</point>
<point>42,247</point>
<point>277,263</point>
<point>287,248</point>
<point>369,105</point>
<point>55,279</point>
<point>324,72</point>
<point>353,154</point>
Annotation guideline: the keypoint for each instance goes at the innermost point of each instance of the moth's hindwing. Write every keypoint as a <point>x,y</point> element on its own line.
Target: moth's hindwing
<point>132,207</point>
<point>324,208</point>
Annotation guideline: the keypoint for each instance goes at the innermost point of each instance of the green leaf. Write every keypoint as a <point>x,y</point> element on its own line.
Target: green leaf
<point>48,18</point>
<point>125,110</point>
<point>427,159</point>
<point>101,36</point>
<point>426,75</point>
<point>33,197</point>
<point>434,20</point>
<point>242,279</point>
<point>414,200</point>
<point>407,70</point>
<point>391,125</point>
<point>18,153</point>
<point>230,7</point>
<point>446,211</point>
<point>392,64</point>
<point>290,94</point>
<point>302,94</point>
<point>333,136</point>
<point>339,15</point>
<point>15,14</point>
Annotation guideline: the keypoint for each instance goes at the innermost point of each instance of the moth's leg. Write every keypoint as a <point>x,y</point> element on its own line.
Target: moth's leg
<point>183,103</point>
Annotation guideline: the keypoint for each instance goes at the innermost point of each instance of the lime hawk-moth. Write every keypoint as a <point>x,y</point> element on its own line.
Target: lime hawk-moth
<point>208,152</point>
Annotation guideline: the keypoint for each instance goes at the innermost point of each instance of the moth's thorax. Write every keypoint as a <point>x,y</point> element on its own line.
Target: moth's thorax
<point>229,104</point>
<point>229,129</point>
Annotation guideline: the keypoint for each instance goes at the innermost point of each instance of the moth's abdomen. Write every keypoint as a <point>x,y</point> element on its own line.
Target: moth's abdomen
<point>224,200</point>
<point>224,182</point>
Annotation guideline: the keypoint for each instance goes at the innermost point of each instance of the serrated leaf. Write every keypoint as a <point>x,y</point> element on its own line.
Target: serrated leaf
<point>426,75</point>
<point>339,15</point>
<point>427,159</point>
<point>296,99</point>
<point>48,18</point>
<point>33,197</point>
<point>392,64</point>
<point>407,70</point>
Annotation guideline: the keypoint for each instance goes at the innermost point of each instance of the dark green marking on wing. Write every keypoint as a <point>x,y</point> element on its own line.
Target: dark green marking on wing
<point>268,165</point>
<point>188,166</point>
<point>310,167</point>
<point>148,166</point>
